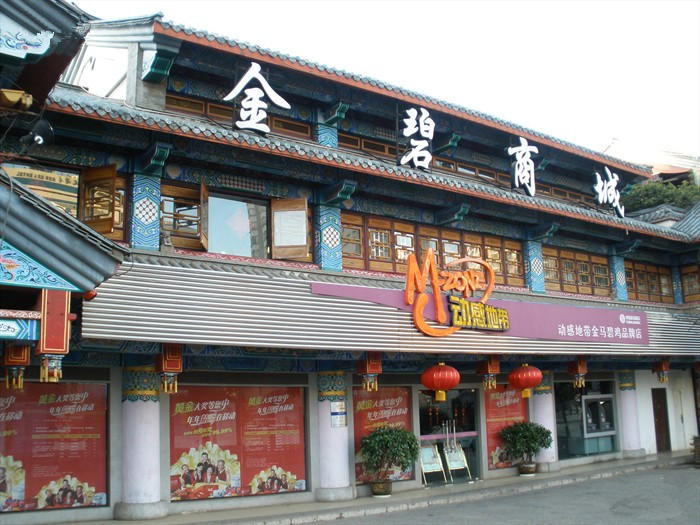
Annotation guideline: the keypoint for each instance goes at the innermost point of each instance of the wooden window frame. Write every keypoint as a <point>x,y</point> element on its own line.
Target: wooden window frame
<point>690,273</point>
<point>647,274</point>
<point>582,264</point>
<point>169,99</point>
<point>196,199</point>
<point>422,234</point>
<point>300,209</point>
<point>349,141</point>
<point>277,126</point>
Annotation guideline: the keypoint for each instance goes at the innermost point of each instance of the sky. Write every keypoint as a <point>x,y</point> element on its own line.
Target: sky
<point>590,72</point>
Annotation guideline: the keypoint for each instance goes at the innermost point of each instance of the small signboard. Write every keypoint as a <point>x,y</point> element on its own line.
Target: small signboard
<point>430,461</point>
<point>455,458</point>
<point>339,415</point>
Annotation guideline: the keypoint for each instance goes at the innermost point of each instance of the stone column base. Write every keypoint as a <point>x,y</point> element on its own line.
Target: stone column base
<point>140,511</point>
<point>552,466</point>
<point>335,494</point>
<point>634,454</point>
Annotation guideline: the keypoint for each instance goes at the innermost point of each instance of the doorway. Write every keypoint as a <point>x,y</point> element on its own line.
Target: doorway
<point>451,428</point>
<point>660,404</point>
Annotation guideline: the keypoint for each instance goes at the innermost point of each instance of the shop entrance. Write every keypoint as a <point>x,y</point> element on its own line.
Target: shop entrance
<point>449,429</point>
<point>658,401</point>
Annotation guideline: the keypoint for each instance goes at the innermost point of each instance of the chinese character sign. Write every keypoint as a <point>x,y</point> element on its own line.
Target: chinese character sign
<point>607,192</point>
<point>236,441</point>
<point>53,446</point>
<point>523,169</point>
<point>253,114</point>
<point>504,406</point>
<point>420,129</point>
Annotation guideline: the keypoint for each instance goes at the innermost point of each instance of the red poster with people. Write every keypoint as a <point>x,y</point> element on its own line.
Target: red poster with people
<point>53,446</point>
<point>388,406</point>
<point>236,441</point>
<point>504,406</point>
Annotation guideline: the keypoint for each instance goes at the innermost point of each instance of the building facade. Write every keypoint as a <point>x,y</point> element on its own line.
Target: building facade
<point>300,244</point>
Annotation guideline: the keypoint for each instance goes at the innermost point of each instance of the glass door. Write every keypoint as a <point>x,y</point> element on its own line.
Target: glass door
<point>451,425</point>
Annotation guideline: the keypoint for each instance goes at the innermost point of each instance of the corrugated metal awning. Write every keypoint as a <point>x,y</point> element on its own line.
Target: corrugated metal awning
<point>166,300</point>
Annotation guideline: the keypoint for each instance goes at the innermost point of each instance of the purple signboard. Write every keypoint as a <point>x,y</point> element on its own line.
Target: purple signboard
<point>532,320</point>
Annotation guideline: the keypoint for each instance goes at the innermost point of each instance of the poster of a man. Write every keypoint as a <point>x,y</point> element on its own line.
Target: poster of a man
<point>5,483</point>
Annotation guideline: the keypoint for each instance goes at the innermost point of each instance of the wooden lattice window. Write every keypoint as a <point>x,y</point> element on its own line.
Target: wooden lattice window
<point>180,215</point>
<point>690,282</point>
<point>646,282</point>
<point>575,272</point>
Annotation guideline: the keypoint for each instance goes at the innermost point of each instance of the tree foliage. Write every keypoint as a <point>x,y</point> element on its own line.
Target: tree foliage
<point>652,194</point>
<point>386,447</point>
<point>525,439</point>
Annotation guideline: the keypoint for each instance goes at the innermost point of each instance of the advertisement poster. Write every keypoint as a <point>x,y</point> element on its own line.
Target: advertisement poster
<point>504,407</point>
<point>389,406</point>
<point>53,439</point>
<point>236,441</point>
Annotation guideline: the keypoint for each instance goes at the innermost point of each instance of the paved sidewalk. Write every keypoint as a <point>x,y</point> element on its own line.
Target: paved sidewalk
<point>300,513</point>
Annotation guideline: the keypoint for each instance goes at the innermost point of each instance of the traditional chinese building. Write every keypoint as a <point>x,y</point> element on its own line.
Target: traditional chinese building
<point>300,248</point>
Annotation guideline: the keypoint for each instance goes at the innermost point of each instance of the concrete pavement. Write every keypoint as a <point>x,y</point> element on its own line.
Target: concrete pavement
<point>300,513</point>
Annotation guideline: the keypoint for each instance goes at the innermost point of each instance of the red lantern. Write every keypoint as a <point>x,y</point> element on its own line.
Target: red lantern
<point>168,366</point>
<point>661,368</point>
<point>525,377</point>
<point>440,378</point>
<point>579,369</point>
<point>369,368</point>
<point>489,369</point>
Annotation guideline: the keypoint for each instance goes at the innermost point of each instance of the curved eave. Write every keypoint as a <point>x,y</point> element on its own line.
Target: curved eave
<point>54,239</point>
<point>381,88</point>
<point>332,158</point>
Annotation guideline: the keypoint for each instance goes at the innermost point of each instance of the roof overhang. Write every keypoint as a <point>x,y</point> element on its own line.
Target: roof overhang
<point>54,238</point>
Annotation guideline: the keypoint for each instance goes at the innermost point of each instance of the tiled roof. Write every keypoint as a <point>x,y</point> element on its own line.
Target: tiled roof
<point>658,213</point>
<point>690,224</point>
<point>54,238</point>
<point>371,82</point>
<point>75,100</point>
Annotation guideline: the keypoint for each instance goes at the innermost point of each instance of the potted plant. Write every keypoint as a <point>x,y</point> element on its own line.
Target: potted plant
<point>522,441</point>
<point>385,448</point>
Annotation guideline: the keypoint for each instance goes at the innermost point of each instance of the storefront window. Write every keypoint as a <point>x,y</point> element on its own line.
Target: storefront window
<point>53,446</point>
<point>388,406</point>
<point>585,419</point>
<point>451,426</point>
<point>236,441</point>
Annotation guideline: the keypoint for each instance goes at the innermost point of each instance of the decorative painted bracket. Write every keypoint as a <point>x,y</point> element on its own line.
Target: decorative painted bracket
<point>456,213</point>
<point>543,231</point>
<point>152,160</point>
<point>335,113</point>
<point>157,64</point>
<point>337,193</point>
<point>542,165</point>
<point>449,143</point>
<point>627,247</point>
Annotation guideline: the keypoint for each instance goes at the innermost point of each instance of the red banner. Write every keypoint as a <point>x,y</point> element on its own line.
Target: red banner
<point>53,446</point>
<point>504,407</point>
<point>236,441</point>
<point>389,406</point>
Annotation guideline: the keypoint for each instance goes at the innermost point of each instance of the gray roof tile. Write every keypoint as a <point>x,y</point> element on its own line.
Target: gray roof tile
<point>77,99</point>
<point>179,28</point>
<point>690,224</point>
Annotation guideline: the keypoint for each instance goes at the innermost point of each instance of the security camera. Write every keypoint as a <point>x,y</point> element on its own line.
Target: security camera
<point>41,134</point>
